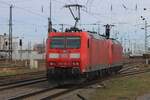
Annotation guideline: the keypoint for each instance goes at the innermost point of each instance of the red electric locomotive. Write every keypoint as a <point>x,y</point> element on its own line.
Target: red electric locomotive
<point>79,53</point>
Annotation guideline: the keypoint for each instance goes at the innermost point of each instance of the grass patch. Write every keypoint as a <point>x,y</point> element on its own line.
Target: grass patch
<point>126,88</point>
<point>16,72</point>
<point>7,73</point>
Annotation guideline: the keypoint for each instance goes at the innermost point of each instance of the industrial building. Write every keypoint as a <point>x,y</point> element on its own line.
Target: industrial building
<point>18,53</point>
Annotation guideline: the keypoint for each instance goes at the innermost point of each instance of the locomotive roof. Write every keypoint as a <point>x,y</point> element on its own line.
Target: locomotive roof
<point>96,36</point>
<point>89,33</point>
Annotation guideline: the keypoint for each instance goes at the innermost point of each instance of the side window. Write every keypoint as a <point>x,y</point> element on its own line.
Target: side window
<point>88,43</point>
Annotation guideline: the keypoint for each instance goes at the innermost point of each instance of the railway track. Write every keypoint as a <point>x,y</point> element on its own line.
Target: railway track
<point>129,73</point>
<point>22,83</point>
<point>24,74</point>
<point>53,92</point>
<point>128,68</point>
<point>57,91</point>
<point>8,80</point>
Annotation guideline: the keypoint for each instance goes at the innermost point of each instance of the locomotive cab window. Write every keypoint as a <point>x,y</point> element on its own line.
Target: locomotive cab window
<point>62,42</point>
<point>73,42</point>
<point>57,42</point>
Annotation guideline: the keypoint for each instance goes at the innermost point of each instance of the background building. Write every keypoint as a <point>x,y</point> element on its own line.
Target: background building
<point>20,52</point>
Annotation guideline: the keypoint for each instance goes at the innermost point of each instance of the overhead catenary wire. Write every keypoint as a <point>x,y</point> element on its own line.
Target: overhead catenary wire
<point>22,1</point>
<point>31,12</point>
<point>94,14</point>
<point>45,17</point>
<point>76,1</point>
<point>5,3</point>
<point>28,10</point>
<point>87,2</point>
<point>70,1</point>
<point>59,1</point>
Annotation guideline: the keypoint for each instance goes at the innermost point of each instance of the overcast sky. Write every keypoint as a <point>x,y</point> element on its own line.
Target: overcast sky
<point>30,17</point>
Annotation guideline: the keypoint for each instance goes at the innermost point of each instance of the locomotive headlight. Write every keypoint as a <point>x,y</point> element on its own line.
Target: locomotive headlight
<point>75,55</point>
<point>54,55</point>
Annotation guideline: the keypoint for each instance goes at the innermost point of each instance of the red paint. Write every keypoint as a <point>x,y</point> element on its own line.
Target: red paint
<point>100,52</point>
